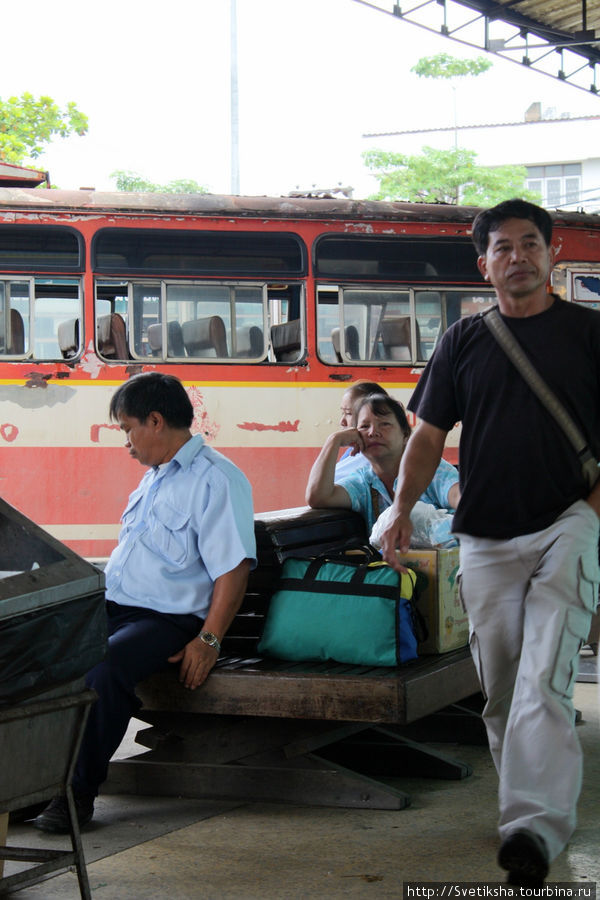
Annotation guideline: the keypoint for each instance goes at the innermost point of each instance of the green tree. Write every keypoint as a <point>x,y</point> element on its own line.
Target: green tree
<point>442,65</point>
<point>28,123</point>
<point>445,176</point>
<point>131,181</point>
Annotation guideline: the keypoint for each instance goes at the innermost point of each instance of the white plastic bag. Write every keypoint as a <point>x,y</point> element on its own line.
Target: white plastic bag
<point>431,527</point>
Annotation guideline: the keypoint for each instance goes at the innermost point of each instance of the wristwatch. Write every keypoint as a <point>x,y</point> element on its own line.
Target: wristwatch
<point>207,637</point>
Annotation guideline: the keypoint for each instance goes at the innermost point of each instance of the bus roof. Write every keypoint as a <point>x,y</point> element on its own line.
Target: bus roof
<point>90,201</point>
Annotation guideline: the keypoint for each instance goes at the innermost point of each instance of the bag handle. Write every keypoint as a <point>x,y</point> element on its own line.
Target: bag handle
<point>520,360</point>
<point>354,561</point>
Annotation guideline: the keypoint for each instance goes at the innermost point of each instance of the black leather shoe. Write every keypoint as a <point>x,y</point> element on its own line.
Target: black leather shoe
<point>55,818</point>
<point>523,854</point>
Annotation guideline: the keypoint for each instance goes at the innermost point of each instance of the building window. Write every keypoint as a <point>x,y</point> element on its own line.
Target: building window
<point>558,185</point>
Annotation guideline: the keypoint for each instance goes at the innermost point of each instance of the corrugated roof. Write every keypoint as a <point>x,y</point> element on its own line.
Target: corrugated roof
<point>483,126</point>
<point>572,23</point>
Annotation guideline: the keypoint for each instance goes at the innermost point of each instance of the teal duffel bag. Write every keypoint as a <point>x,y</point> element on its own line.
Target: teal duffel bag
<point>350,612</point>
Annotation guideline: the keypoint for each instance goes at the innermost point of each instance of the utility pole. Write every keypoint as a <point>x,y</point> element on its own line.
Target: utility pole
<point>235,118</point>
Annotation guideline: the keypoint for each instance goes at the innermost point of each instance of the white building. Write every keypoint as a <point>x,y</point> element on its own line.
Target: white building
<point>561,154</point>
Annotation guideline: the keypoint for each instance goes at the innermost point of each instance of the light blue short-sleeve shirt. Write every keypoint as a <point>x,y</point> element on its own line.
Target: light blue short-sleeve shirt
<point>187,523</point>
<point>358,486</point>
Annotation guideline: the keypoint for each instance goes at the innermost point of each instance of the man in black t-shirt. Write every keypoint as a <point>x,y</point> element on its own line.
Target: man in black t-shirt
<point>528,525</point>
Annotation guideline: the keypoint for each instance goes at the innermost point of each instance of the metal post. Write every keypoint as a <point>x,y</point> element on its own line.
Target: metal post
<point>235,124</point>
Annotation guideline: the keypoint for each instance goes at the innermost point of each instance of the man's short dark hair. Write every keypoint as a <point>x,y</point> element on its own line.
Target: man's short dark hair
<point>153,392</point>
<point>491,219</point>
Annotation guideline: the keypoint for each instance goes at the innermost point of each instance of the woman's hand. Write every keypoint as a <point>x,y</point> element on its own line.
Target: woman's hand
<point>351,437</point>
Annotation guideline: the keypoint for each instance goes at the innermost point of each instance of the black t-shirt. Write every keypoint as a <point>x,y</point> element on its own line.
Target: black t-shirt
<point>518,471</point>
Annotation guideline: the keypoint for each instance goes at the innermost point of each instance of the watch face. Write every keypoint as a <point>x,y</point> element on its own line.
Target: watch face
<point>209,638</point>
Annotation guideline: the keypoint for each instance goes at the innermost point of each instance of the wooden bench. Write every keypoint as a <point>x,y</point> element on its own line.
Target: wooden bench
<point>266,729</point>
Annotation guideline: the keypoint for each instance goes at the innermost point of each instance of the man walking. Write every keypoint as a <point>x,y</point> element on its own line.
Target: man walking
<point>176,578</point>
<point>528,525</point>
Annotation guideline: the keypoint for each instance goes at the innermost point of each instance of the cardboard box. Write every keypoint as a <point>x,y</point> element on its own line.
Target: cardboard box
<point>439,602</point>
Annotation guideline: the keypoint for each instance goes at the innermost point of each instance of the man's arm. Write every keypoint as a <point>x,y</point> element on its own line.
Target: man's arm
<point>321,490</point>
<point>197,658</point>
<point>419,463</point>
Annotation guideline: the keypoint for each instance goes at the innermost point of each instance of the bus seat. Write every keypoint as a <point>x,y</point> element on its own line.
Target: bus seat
<point>286,341</point>
<point>154,335</point>
<point>395,337</point>
<point>174,339</point>
<point>112,336</point>
<point>351,342</point>
<point>250,342</point>
<point>68,338</point>
<point>175,345</point>
<point>15,339</point>
<point>202,335</point>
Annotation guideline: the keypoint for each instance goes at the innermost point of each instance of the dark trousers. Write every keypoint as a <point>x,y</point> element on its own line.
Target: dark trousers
<point>139,644</point>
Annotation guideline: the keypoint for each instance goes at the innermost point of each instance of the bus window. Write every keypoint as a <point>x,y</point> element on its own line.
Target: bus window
<point>14,317</point>
<point>428,313</point>
<point>406,258</point>
<point>56,301</point>
<point>32,311</point>
<point>437,310</point>
<point>460,304</point>
<point>199,320</point>
<point>175,252</point>
<point>42,248</point>
<point>363,325</point>
<point>402,326</point>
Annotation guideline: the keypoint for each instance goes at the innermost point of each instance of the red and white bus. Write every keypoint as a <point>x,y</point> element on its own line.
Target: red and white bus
<point>265,308</point>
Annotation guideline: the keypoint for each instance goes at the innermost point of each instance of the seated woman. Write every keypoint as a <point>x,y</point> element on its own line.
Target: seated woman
<point>349,461</point>
<point>380,433</point>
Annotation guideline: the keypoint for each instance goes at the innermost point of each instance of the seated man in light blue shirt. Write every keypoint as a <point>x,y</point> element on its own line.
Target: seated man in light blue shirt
<point>176,578</point>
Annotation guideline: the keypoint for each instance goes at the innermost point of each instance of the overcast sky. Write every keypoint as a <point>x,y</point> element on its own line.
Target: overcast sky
<point>314,75</point>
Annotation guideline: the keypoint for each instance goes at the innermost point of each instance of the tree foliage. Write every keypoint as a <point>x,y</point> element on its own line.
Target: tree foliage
<point>131,181</point>
<point>28,123</point>
<point>442,65</point>
<point>445,176</point>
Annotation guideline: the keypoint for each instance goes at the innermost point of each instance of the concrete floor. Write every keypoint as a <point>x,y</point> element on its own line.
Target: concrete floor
<point>175,849</point>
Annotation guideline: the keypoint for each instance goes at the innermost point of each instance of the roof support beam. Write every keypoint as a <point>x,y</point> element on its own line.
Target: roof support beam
<point>500,29</point>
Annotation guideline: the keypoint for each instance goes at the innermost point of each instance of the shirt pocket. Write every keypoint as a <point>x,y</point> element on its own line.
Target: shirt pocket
<point>169,532</point>
<point>128,518</point>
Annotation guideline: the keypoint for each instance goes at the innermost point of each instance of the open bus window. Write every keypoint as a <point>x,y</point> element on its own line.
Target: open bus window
<point>428,315</point>
<point>32,311</point>
<point>15,327</point>
<point>363,325</point>
<point>12,326</point>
